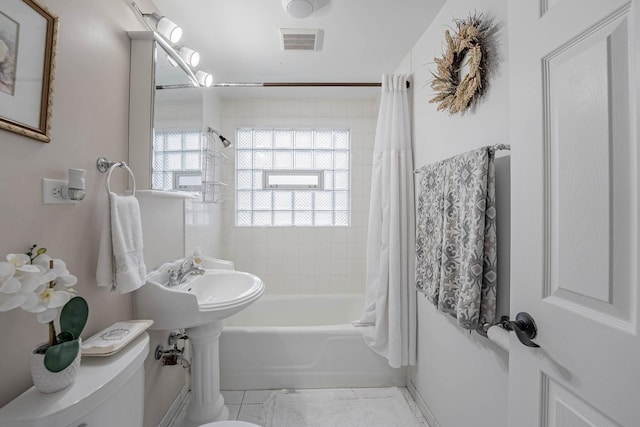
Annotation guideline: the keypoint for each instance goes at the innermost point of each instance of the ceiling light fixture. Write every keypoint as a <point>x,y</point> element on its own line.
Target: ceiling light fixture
<point>190,56</point>
<point>165,26</point>
<point>204,79</point>
<point>169,29</point>
<point>300,8</point>
<point>167,34</point>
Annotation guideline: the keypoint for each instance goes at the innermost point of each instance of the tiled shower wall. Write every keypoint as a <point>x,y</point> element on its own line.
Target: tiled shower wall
<point>302,260</point>
<point>199,218</point>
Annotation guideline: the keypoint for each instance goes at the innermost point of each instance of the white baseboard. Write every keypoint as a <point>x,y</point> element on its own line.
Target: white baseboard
<point>174,409</point>
<point>422,405</point>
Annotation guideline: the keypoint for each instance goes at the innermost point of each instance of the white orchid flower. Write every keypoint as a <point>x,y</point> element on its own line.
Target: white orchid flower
<point>10,301</point>
<point>67,282</point>
<point>46,304</point>
<point>42,260</point>
<point>20,263</point>
<point>10,286</point>
<point>40,287</point>
<point>32,302</point>
<point>7,270</point>
<point>11,289</point>
<point>8,283</point>
<point>32,281</point>
<point>51,300</point>
<point>59,266</point>
<point>47,316</point>
<point>28,269</point>
<point>18,260</point>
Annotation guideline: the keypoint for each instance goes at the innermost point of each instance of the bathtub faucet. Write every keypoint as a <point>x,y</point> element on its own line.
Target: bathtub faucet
<point>187,267</point>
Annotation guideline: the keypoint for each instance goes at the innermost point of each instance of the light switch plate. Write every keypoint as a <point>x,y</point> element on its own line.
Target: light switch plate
<point>52,192</point>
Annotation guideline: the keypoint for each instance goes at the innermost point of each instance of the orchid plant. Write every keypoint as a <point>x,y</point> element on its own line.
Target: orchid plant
<point>38,284</point>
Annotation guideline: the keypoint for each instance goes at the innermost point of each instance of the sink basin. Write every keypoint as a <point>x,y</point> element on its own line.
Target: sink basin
<point>201,299</point>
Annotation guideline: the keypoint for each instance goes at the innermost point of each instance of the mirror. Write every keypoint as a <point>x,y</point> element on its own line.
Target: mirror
<point>150,68</point>
<point>168,73</point>
<point>177,129</point>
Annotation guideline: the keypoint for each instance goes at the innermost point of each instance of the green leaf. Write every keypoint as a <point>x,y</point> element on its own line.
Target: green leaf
<point>73,316</point>
<point>65,336</point>
<point>58,357</point>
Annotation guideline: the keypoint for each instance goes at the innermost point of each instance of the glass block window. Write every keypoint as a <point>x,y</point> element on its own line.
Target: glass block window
<point>176,153</point>
<point>265,157</point>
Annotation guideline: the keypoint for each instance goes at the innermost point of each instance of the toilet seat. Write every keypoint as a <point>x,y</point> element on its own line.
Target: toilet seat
<point>230,423</point>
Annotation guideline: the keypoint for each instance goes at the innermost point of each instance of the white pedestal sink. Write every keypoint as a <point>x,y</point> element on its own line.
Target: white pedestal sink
<point>206,404</point>
<point>199,305</point>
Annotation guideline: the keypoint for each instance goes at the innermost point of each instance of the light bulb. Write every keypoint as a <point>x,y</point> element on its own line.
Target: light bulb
<point>204,79</point>
<point>169,29</point>
<point>190,56</point>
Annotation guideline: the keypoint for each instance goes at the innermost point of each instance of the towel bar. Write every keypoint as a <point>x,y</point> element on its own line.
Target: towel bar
<point>495,148</point>
<point>103,164</point>
<point>501,147</point>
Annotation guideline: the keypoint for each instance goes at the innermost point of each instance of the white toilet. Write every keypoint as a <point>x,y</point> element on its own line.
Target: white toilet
<point>109,391</point>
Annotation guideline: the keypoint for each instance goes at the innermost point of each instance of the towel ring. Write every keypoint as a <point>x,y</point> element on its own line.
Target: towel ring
<point>121,165</point>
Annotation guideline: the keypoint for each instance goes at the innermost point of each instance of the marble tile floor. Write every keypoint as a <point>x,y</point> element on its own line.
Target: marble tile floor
<point>243,406</point>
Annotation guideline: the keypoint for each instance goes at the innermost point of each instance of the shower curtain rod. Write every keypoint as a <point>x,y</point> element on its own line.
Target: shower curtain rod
<point>283,84</point>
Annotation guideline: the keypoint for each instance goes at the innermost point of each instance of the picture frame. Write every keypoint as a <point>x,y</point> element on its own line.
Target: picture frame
<point>28,40</point>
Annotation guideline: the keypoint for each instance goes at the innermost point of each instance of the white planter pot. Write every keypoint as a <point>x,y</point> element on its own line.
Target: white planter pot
<point>46,381</point>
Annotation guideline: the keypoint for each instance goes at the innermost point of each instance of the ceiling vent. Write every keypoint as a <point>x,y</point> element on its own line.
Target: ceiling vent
<point>299,39</point>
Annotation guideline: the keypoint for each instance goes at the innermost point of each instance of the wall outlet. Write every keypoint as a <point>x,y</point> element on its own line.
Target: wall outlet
<point>52,192</point>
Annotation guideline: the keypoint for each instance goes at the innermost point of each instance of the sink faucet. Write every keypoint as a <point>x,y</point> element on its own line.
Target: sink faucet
<point>187,267</point>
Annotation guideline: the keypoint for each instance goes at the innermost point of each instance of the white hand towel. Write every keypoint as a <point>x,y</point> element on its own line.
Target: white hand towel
<point>104,270</point>
<point>120,258</point>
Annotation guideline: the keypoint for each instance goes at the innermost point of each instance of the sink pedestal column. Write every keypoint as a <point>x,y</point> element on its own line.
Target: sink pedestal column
<point>207,404</point>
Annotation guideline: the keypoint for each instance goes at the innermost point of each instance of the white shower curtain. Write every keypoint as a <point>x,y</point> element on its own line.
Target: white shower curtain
<point>390,310</point>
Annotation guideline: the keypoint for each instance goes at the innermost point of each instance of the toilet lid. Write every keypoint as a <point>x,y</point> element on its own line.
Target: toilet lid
<point>230,423</point>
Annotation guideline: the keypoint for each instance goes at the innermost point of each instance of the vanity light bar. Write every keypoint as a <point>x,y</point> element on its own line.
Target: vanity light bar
<point>167,35</point>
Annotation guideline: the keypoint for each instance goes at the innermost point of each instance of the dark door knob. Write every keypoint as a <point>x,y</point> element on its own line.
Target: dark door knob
<point>523,326</point>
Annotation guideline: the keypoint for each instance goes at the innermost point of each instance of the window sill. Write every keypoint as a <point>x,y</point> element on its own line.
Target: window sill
<point>167,194</point>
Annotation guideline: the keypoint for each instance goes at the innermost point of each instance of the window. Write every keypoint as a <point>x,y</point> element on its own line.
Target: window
<point>177,160</point>
<point>292,177</point>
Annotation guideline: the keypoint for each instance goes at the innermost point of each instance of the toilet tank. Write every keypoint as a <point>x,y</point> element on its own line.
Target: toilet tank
<point>109,391</point>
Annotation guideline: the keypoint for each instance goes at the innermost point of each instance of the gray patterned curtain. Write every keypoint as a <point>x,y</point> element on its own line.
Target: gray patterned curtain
<point>456,248</point>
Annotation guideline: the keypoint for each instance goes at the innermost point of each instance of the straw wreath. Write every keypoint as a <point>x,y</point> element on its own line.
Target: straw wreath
<point>469,39</point>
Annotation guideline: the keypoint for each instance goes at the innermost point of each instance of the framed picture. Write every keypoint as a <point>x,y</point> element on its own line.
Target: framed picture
<point>28,35</point>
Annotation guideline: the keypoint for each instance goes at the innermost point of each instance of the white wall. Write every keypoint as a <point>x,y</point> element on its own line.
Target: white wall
<point>203,219</point>
<point>90,119</point>
<point>461,377</point>
<point>303,260</point>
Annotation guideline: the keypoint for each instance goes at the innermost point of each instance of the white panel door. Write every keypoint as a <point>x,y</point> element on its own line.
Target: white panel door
<point>574,135</point>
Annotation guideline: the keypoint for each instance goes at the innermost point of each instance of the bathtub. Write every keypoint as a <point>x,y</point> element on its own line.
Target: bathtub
<point>301,341</point>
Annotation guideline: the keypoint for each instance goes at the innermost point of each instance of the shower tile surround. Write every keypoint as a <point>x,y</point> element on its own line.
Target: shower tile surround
<point>302,260</point>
